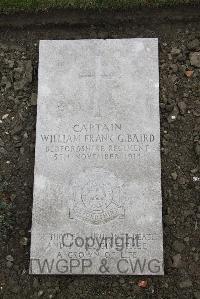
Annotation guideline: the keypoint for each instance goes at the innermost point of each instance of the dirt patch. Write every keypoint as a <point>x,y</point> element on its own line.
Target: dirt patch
<point>179,48</point>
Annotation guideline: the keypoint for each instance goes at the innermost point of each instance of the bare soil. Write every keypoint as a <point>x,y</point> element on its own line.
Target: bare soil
<point>179,47</point>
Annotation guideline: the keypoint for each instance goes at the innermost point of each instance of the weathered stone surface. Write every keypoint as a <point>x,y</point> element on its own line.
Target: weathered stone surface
<point>97,196</point>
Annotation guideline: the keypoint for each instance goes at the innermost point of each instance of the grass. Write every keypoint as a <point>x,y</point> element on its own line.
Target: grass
<point>14,5</point>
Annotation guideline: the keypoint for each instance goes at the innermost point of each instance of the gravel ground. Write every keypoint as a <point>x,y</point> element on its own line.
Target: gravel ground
<point>179,50</point>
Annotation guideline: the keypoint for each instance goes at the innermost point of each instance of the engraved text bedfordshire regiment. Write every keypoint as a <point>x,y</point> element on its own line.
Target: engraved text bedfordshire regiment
<point>97,141</point>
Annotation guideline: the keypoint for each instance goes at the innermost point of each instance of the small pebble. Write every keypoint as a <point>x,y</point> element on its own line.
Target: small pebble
<point>9,258</point>
<point>197,295</point>
<point>40,293</point>
<point>174,175</point>
<point>178,246</point>
<point>176,260</point>
<point>185,284</point>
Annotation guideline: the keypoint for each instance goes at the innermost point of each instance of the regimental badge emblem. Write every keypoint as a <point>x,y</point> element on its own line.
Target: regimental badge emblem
<point>97,197</point>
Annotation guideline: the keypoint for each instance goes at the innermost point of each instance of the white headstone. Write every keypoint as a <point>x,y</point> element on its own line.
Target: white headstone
<point>97,195</point>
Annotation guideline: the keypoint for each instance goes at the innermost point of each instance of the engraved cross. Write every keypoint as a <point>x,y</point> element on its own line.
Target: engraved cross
<point>98,75</point>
